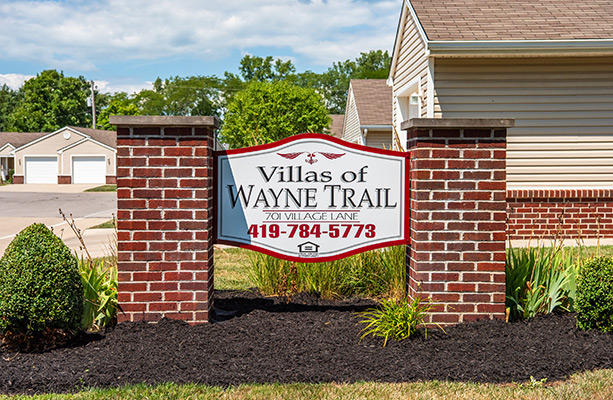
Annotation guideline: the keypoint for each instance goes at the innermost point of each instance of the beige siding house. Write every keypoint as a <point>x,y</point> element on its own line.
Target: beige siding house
<point>9,141</point>
<point>548,64</point>
<point>368,114</point>
<point>68,155</point>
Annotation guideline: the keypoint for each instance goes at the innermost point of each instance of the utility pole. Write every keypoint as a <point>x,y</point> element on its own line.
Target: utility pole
<point>93,106</point>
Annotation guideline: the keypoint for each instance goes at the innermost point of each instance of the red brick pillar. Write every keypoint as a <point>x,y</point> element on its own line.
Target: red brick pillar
<point>164,217</point>
<point>457,220</point>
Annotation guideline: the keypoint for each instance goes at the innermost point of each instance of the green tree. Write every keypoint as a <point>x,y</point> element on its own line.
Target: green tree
<point>334,83</point>
<point>192,95</point>
<point>268,111</point>
<point>120,104</point>
<point>9,99</point>
<point>254,68</point>
<point>51,101</point>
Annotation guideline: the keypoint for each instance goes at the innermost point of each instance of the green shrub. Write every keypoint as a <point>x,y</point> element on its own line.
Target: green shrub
<point>396,320</point>
<point>539,280</point>
<point>40,287</point>
<point>594,303</point>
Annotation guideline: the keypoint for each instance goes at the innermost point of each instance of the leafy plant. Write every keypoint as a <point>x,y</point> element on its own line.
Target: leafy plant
<point>40,289</point>
<point>595,295</point>
<point>99,279</point>
<point>538,280</point>
<point>100,293</point>
<point>396,320</point>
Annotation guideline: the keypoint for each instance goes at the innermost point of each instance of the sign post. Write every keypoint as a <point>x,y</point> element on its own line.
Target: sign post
<point>311,198</point>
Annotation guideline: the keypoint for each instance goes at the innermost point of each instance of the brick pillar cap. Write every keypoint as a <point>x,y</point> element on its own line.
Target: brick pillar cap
<point>163,121</point>
<point>464,123</point>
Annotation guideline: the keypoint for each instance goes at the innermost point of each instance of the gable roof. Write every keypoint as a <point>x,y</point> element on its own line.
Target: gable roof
<point>18,139</point>
<point>108,138</point>
<point>461,20</point>
<point>104,138</point>
<point>373,100</point>
<point>336,126</point>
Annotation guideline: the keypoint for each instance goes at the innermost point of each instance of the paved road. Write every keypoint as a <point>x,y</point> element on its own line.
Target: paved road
<point>22,205</point>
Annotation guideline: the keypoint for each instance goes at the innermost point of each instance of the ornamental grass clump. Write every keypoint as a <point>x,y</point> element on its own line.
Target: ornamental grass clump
<point>396,320</point>
<point>594,303</point>
<point>41,295</point>
<point>376,273</point>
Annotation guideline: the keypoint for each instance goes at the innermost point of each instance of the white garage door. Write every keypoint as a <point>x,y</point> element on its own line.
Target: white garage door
<point>41,169</point>
<point>88,169</point>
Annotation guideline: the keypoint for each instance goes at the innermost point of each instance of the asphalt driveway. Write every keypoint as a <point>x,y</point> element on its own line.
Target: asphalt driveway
<point>22,205</point>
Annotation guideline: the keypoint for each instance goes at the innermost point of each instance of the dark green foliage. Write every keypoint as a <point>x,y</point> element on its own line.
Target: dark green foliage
<point>40,286</point>
<point>269,111</point>
<point>594,303</point>
<point>51,101</point>
<point>9,99</point>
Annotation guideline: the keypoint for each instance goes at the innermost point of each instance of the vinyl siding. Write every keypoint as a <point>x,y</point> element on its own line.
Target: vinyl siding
<point>351,127</point>
<point>563,111</point>
<point>46,147</point>
<point>379,139</point>
<point>88,148</point>
<point>412,62</point>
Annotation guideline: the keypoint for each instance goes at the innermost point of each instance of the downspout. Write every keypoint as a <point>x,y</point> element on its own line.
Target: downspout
<point>363,134</point>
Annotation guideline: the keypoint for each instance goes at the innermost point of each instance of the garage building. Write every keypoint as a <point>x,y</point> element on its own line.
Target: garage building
<point>68,155</point>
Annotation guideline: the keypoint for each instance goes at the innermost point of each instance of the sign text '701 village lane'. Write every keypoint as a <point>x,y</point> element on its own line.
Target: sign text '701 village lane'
<point>311,198</point>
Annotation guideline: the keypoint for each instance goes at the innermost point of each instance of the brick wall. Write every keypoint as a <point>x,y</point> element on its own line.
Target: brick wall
<point>568,214</point>
<point>457,223</point>
<point>165,221</point>
<point>64,179</point>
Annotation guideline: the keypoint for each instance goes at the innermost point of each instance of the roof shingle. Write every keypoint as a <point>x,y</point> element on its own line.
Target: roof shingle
<point>373,99</point>
<point>515,19</point>
<point>18,139</point>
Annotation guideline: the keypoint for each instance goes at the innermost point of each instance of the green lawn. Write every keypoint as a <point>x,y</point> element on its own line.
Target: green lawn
<point>110,224</point>
<point>587,385</point>
<point>103,188</point>
<point>231,269</point>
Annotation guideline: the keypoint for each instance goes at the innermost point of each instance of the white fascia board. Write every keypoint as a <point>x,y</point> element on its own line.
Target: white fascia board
<point>376,127</point>
<point>87,139</point>
<point>7,145</point>
<point>587,47</point>
<point>70,146</point>
<point>40,139</point>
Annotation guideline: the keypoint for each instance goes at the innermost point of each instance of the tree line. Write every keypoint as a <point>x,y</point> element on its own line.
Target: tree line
<point>260,104</point>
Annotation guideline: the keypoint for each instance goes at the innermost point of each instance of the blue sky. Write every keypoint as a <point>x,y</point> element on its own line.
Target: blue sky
<point>126,44</point>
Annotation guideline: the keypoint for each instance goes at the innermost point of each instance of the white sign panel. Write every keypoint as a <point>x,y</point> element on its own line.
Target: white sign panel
<point>311,198</point>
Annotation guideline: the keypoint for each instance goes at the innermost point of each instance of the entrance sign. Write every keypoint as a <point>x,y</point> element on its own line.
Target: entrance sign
<point>311,198</point>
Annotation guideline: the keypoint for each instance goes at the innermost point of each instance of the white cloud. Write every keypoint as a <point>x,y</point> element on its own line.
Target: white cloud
<point>14,81</point>
<point>76,34</point>
<point>128,87</point>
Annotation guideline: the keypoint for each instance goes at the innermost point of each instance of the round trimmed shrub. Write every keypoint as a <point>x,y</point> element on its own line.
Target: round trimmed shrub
<point>40,286</point>
<point>594,301</point>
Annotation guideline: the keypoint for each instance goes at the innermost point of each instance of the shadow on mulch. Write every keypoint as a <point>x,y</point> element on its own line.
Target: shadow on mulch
<point>305,339</point>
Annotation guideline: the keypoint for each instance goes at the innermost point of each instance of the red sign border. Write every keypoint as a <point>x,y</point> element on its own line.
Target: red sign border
<point>333,139</point>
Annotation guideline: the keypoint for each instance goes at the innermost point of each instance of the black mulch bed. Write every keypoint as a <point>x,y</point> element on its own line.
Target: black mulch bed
<point>306,340</point>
